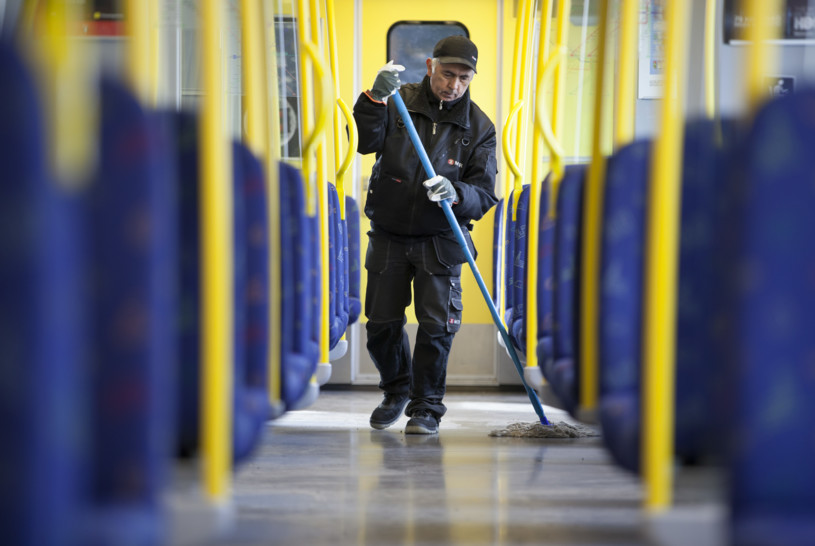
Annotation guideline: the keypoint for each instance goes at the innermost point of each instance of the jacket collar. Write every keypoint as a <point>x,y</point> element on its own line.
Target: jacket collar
<point>419,98</point>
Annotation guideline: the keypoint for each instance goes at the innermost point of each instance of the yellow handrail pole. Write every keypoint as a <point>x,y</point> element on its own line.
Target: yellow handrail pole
<point>761,58</point>
<point>543,78</point>
<point>626,72</point>
<point>559,89</point>
<point>139,51</point>
<point>254,80</point>
<point>710,58</point>
<point>522,93</point>
<point>305,107</point>
<point>155,49</point>
<point>335,76</point>
<point>273,202</point>
<point>350,152</point>
<point>216,261</point>
<point>592,216</point>
<point>257,139</point>
<point>322,195</point>
<point>505,138</point>
<point>660,275</point>
<point>70,93</point>
<point>540,88</point>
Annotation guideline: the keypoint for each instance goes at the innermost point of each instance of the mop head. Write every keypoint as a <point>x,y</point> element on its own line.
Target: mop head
<point>537,430</point>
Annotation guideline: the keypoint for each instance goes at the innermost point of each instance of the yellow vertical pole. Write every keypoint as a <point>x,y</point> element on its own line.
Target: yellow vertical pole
<point>626,72</point>
<point>761,58</point>
<point>559,89</point>
<point>710,58</point>
<point>305,106</point>
<point>592,217</point>
<point>660,276</point>
<point>254,76</point>
<point>534,196</point>
<point>273,203</point>
<point>322,196</point>
<point>522,93</point>
<point>216,262</point>
<point>139,68</point>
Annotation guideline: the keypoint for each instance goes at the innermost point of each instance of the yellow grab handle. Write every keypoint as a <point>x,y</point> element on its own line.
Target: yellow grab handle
<point>349,155</point>
<point>311,141</point>
<point>505,135</point>
<point>544,123</point>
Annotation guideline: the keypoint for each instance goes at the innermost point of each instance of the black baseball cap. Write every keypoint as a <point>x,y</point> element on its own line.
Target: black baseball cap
<point>456,49</point>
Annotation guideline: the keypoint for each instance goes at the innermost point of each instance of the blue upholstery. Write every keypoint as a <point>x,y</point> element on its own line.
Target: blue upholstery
<point>560,364</point>
<point>497,241</point>
<point>298,349</point>
<point>251,303</point>
<point>770,362</point>
<point>134,248</point>
<point>509,254</point>
<point>338,315</point>
<point>250,286</point>
<point>353,261</point>
<point>546,233</point>
<point>698,369</point>
<point>517,313</point>
<point>620,321</point>
<point>42,328</point>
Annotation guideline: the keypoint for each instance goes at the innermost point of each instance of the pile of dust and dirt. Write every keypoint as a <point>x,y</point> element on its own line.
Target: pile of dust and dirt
<point>537,430</point>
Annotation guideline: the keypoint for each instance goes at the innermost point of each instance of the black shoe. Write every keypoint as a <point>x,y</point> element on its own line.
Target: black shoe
<point>422,422</point>
<point>389,411</point>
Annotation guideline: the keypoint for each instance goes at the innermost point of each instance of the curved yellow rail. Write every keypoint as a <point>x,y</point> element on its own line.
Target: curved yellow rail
<point>544,122</point>
<point>505,138</point>
<point>710,58</point>
<point>311,141</point>
<point>350,153</point>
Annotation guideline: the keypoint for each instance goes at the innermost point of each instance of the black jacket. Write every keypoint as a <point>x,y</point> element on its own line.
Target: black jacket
<point>460,141</point>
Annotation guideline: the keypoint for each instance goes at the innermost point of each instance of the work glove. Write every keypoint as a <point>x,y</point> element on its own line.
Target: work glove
<point>387,81</point>
<point>439,188</point>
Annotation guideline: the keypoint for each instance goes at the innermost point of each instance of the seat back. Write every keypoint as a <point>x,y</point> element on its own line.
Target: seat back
<point>771,296</point>
<point>42,328</point>
<point>298,348</point>
<point>353,259</point>
<point>134,250</point>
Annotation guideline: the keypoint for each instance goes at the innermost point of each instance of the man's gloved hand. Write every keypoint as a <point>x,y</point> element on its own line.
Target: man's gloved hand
<point>387,81</point>
<point>439,188</point>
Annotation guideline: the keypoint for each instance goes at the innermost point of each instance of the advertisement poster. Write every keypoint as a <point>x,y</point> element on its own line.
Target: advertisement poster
<point>651,49</point>
<point>796,23</point>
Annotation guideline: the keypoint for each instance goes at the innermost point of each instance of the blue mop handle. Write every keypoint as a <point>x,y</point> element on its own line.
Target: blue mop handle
<point>451,219</point>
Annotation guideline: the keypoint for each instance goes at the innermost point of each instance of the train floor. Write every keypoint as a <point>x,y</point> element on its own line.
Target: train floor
<point>323,476</point>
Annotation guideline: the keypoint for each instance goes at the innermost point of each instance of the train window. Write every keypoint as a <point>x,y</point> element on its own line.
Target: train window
<point>288,82</point>
<point>410,43</point>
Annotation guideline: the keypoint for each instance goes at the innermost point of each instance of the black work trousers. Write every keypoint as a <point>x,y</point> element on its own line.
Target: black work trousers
<point>433,266</point>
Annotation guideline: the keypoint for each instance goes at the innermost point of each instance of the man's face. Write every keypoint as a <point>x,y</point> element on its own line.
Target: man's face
<point>449,81</point>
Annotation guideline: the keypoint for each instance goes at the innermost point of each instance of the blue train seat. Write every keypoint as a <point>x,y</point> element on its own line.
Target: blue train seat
<point>620,330</point>
<point>338,238</point>
<point>544,301</point>
<point>354,259</point>
<point>558,359</point>
<point>299,353</point>
<point>771,300</point>
<point>497,239</point>
<point>516,315</point>
<point>251,305</point>
<point>250,286</point>
<point>133,243</point>
<point>42,328</point>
